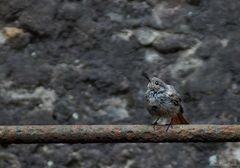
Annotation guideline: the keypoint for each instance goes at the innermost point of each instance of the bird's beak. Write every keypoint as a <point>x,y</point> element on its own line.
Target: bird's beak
<point>144,74</point>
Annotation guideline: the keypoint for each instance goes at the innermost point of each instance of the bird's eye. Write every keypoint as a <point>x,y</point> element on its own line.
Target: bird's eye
<point>156,83</point>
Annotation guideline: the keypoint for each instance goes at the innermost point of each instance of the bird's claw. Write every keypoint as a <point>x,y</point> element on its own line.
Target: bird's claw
<point>154,124</point>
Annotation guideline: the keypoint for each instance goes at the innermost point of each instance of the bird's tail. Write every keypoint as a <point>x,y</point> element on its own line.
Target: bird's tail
<point>178,119</point>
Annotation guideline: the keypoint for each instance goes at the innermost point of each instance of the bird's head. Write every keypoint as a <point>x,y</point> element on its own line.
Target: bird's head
<point>155,84</point>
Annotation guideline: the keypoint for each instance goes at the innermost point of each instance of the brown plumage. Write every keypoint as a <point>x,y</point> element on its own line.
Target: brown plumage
<point>178,119</point>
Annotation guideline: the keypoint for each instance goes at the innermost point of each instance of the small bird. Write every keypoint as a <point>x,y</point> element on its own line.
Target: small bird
<point>162,100</point>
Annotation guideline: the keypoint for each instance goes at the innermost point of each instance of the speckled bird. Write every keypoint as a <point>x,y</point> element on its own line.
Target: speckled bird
<point>162,100</point>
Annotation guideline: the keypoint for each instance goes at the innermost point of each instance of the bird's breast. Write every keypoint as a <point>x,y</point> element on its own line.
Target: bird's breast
<point>160,104</point>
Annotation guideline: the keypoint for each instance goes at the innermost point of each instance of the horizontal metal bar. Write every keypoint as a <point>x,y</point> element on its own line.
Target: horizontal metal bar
<point>27,134</point>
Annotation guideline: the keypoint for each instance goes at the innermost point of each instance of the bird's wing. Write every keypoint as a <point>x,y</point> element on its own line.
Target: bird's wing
<point>181,109</point>
<point>173,94</point>
<point>175,97</point>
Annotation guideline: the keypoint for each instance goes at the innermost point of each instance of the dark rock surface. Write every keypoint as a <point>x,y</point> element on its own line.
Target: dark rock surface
<point>80,62</point>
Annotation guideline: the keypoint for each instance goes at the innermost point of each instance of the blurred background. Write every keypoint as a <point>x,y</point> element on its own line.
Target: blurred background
<point>80,62</point>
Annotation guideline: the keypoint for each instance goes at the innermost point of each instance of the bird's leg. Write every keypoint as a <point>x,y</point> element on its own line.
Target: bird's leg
<point>169,125</point>
<point>154,123</point>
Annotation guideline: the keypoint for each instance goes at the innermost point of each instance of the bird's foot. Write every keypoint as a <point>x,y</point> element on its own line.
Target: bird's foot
<point>154,124</point>
<point>168,125</point>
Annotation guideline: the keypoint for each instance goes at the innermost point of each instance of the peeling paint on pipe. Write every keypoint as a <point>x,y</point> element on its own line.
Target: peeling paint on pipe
<point>28,134</point>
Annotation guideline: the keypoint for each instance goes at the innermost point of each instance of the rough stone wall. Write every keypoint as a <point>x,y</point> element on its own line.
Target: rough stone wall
<point>80,62</point>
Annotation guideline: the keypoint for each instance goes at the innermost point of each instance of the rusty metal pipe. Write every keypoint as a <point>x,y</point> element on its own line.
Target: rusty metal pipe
<point>27,134</point>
